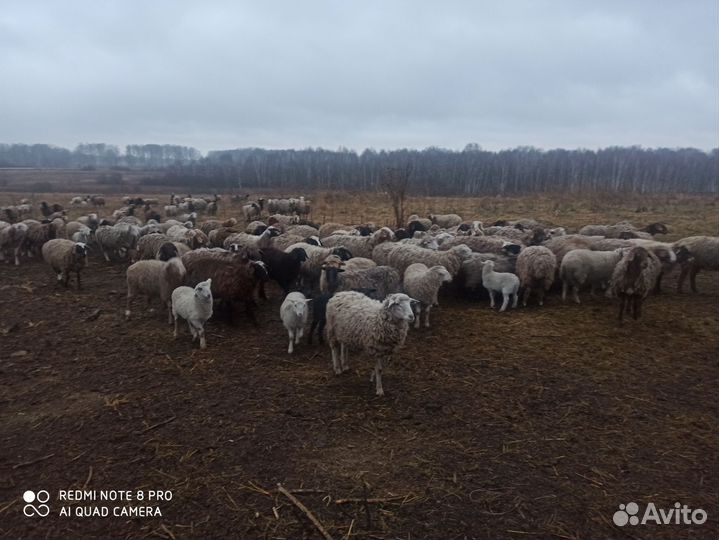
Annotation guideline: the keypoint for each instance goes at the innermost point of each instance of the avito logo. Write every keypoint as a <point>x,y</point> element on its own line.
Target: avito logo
<point>679,515</point>
<point>31,510</point>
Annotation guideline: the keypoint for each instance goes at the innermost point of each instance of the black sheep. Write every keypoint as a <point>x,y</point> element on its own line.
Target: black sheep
<point>282,267</point>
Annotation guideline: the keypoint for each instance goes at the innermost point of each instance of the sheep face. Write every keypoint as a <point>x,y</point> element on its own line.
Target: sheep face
<point>313,241</point>
<point>260,271</point>
<point>683,254</point>
<point>203,290</point>
<point>299,254</point>
<point>80,251</point>
<point>657,228</point>
<point>462,250</point>
<point>399,306</point>
<point>274,231</point>
<point>167,251</point>
<point>511,249</point>
<point>342,252</point>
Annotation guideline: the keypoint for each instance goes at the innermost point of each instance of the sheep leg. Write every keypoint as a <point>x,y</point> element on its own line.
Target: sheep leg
<point>298,334</point>
<point>693,278</point>
<point>17,256</point>
<point>658,284</point>
<point>201,333</point>
<point>540,296</point>
<point>418,315</point>
<point>515,294</point>
<point>261,291</point>
<point>378,378</point>
<point>79,285</point>
<point>426,316</point>
<point>682,276</point>
<point>505,301</point>
<point>491,298</point>
<point>292,340</point>
<point>169,312</point>
<point>527,290</point>
<point>576,294</point>
<point>565,288</point>
<point>192,330</point>
<point>174,333</point>
<point>335,361</point>
<point>104,254</point>
<point>343,358</point>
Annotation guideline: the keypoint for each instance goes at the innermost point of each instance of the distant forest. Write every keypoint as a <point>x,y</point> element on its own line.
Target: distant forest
<point>433,171</point>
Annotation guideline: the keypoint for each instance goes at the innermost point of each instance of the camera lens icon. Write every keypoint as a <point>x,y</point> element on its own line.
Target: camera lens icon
<point>30,509</point>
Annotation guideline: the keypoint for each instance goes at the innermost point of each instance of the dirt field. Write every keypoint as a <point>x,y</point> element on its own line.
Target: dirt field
<point>535,423</point>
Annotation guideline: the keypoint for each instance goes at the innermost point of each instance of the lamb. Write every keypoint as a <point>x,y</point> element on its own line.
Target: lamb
<point>536,268</point>
<point>469,277</point>
<point>445,220</point>
<point>294,313</point>
<point>696,253</point>
<point>582,266</point>
<point>385,280</point>
<point>12,239</point>
<point>504,282</point>
<point>423,284</point>
<point>65,256</point>
<point>401,257</point>
<point>156,279</point>
<point>195,306</point>
<point>283,267</point>
<point>377,328</point>
<point>634,277</point>
<point>360,246</point>
<point>234,277</point>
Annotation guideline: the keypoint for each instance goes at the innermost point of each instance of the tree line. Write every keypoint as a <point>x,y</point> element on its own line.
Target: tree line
<point>432,171</point>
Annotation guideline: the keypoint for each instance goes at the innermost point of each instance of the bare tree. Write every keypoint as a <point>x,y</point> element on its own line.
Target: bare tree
<point>395,181</point>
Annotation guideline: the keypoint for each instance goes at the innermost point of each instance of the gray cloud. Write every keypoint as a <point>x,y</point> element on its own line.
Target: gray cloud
<point>361,74</point>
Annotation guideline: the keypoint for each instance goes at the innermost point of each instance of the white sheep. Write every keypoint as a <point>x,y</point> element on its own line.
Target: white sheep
<point>65,256</point>
<point>423,284</point>
<point>195,306</point>
<point>585,267</point>
<point>294,313</point>
<point>504,282</point>
<point>377,328</point>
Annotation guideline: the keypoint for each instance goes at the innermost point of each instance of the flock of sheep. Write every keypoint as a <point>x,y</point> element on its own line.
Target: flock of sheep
<point>362,284</point>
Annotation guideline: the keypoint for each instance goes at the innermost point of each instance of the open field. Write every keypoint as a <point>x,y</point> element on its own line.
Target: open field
<point>536,423</point>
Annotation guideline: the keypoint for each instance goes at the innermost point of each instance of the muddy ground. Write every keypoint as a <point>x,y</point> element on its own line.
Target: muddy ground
<point>536,423</point>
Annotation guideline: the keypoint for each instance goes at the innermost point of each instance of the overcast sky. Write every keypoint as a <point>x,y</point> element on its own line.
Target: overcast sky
<point>380,74</point>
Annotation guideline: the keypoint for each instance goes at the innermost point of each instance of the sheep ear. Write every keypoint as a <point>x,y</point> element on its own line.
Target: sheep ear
<point>209,282</point>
